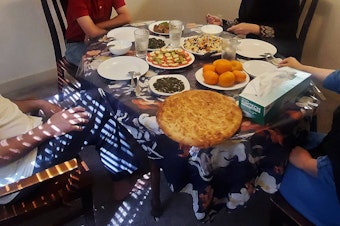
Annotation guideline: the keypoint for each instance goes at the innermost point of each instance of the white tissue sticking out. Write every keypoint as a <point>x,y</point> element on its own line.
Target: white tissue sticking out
<point>266,82</point>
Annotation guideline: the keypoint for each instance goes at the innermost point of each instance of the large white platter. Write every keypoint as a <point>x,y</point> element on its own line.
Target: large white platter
<point>254,48</point>
<point>125,33</point>
<point>199,40</point>
<point>117,68</point>
<point>200,79</point>
<point>178,76</point>
<point>257,67</point>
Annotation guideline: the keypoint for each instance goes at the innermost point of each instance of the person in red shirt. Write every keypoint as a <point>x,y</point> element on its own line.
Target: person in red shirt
<point>89,19</point>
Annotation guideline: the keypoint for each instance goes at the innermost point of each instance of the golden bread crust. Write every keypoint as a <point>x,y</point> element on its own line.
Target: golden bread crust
<point>199,118</point>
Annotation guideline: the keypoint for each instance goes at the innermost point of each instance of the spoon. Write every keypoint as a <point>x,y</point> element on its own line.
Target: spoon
<point>208,54</point>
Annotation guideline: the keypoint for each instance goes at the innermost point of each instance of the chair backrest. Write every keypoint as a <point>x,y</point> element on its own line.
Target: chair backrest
<point>307,9</point>
<point>55,14</point>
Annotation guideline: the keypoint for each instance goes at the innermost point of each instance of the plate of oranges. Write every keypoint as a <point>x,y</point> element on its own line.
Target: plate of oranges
<point>223,74</point>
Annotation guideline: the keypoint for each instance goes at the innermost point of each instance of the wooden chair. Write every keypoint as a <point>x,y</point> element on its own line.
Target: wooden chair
<point>54,11</point>
<point>58,187</point>
<point>282,213</point>
<point>307,10</point>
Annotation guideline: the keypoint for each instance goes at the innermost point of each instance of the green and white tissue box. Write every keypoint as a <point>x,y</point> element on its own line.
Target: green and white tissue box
<point>265,109</point>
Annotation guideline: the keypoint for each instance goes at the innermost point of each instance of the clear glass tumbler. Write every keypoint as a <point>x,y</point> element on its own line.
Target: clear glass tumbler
<point>229,47</point>
<point>175,33</point>
<point>141,42</point>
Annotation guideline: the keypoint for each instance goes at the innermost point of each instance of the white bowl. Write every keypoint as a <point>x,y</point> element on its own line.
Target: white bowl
<point>212,29</point>
<point>119,47</point>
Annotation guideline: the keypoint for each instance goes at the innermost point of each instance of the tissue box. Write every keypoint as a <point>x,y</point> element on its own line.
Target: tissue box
<point>266,108</point>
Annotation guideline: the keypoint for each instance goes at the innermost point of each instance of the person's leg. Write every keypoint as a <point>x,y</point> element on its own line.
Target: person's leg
<point>119,152</point>
<point>74,52</point>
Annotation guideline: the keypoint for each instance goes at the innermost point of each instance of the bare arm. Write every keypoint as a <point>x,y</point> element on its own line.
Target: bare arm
<point>301,159</point>
<point>93,30</point>
<point>318,73</point>
<point>60,123</point>
<point>238,29</point>
<point>27,106</point>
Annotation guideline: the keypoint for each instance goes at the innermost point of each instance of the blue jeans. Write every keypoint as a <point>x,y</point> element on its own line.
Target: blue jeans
<point>74,52</point>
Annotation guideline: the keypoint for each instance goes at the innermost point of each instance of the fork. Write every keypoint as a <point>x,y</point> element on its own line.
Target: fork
<point>132,74</point>
<point>137,89</point>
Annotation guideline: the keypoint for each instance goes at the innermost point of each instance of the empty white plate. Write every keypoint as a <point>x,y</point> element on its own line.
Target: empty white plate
<point>258,67</point>
<point>117,68</point>
<point>253,48</point>
<point>125,33</point>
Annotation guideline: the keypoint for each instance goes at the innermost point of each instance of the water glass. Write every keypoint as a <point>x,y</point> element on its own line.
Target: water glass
<point>141,42</point>
<point>175,33</point>
<point>229,47</point>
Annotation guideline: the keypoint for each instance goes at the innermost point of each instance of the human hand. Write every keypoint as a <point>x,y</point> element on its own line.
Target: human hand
<point>48,108</point>
<point>290,62</point>
<point>211,19</point>
<point>244,29</point>
<point>66,121</point>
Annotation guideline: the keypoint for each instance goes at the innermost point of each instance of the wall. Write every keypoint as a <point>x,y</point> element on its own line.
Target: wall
<point>26,47</point>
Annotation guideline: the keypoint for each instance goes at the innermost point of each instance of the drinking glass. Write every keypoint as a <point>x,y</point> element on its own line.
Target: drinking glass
<point>175,33</point>
<point>141,42</point>
<point>229,47</point>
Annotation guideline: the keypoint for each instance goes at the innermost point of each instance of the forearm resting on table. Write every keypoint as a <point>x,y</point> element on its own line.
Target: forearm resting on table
<point>12,149</point>
<point>117,21</point>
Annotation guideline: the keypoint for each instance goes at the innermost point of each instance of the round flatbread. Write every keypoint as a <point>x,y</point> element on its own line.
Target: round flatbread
<point>199,118</point>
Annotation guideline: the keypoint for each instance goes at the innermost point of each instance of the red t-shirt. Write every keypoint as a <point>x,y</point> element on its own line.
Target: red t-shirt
<point>98,10</point>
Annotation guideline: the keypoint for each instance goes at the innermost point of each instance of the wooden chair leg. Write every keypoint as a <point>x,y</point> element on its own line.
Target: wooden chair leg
<point>87,204</point>
<point>282,213</point>
<point>156,210</point>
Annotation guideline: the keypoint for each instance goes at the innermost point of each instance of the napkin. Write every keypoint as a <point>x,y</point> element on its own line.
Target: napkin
<point>266,82</point>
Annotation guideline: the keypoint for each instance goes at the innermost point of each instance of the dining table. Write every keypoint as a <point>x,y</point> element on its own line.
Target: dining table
<point>224,176</point>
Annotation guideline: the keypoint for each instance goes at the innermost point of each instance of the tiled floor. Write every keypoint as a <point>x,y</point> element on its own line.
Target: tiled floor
<point>135,210</point>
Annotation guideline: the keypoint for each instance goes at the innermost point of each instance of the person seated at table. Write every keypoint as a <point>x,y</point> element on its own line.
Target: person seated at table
<point>29,145</point>
<point>311,183</point>
<point>271,20</point>
<point>91,19</point>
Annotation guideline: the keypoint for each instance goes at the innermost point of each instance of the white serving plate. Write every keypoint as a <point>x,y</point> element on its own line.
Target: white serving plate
<point>192,59</point>
<point>200,79</point>
<point>178,76</point>
<point>166,40</point>
<point>156,23</point>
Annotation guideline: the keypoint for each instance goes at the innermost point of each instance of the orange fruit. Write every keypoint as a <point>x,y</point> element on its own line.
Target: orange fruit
<point>222,65</point>
<point>236,65</point>
<point>210,77</point>
<point>226,79</point>
<point>208,67</point>
<point>240,76</point>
